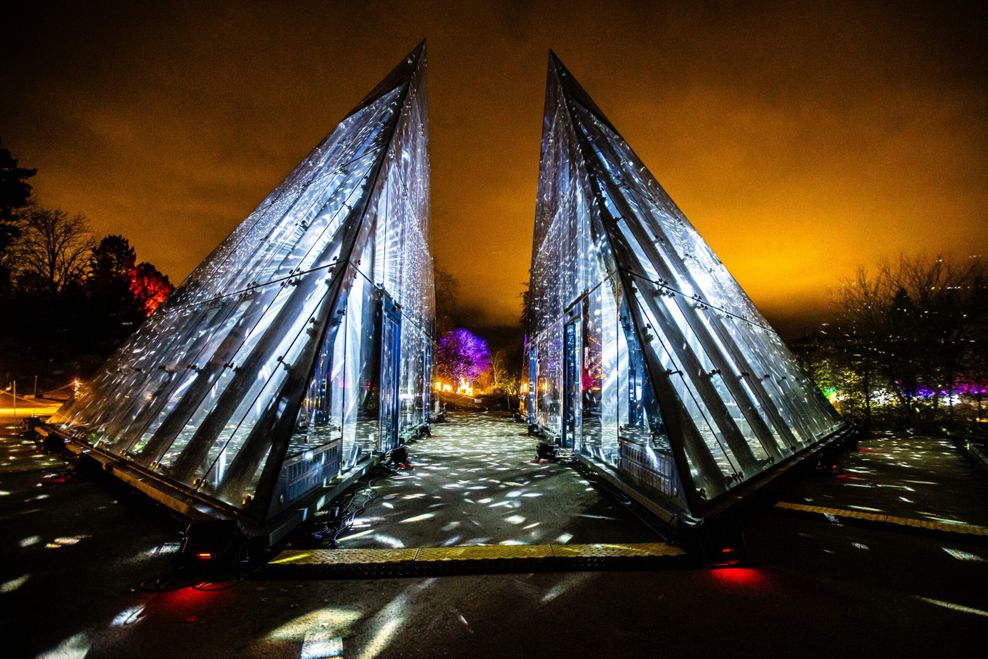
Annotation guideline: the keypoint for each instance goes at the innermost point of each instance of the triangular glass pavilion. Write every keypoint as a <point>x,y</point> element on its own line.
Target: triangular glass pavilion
<point>646,357</point>
<point>300,348</point>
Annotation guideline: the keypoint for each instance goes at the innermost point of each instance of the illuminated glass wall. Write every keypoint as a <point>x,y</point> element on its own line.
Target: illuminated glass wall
<point>300,347</point>
<point>647,357</point>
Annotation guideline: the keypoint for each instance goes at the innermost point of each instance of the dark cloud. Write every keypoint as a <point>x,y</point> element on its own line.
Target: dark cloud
<point>802,139</point>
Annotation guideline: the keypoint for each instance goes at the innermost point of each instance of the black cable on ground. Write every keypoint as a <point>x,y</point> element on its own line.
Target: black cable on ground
<point>339,519</point>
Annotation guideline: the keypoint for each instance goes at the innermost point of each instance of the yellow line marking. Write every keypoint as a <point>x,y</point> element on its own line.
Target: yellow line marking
<point>473,553</point>
<point>289,557</point>
<point>963,529</point>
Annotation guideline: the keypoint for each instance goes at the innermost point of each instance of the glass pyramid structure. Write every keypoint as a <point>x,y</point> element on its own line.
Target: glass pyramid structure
<point>300,348</point>
<point>646,356</point>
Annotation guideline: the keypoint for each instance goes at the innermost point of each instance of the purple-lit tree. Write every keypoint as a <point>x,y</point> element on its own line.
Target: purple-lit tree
<point>461,354</point>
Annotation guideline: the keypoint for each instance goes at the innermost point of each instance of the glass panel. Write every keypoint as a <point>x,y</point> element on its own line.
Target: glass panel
<point>274,340</point>
<point>360,425</point>
<point>662,324</point>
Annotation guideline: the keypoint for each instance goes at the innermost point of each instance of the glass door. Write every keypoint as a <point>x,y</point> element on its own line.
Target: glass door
<point>571,383</point>
<point>390,373</point>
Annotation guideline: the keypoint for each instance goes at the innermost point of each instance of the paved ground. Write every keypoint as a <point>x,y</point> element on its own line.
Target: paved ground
<point>911,476</point>
<point>476,482</point>
<point>73,556</point>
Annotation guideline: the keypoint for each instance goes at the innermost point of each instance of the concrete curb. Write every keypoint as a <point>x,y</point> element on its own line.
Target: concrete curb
<point>476,559</point>
<point>890,522</point>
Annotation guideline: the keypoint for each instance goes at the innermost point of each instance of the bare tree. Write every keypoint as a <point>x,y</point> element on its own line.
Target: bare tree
<point>53,250</point>
<point>911,327</point>
<point>498,369</point>
<point>861,303</point>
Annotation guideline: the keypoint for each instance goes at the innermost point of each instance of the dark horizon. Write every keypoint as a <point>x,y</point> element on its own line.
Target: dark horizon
<point>801,141</point>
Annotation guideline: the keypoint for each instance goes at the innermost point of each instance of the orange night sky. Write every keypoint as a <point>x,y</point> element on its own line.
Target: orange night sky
<point>802,140</point>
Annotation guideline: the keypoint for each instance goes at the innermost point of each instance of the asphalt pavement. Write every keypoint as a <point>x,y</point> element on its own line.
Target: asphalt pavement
<point>74,554</point>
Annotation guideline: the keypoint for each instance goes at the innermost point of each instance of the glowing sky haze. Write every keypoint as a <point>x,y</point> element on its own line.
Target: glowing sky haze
<point>801,140</point>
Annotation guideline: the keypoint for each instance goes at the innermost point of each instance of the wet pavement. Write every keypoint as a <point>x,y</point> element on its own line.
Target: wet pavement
<point>74,554</point>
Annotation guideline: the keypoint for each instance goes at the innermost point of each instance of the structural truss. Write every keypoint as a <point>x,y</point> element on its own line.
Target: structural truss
<point>299,349</point>
<point>646,356</point>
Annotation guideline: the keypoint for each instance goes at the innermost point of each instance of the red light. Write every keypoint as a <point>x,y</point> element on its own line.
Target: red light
<point>727,550</point>
<point>188,601</point>
<point>204,556</point>
<point>740,577</point>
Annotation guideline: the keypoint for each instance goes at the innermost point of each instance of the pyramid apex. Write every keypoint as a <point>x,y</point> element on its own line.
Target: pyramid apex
<point>556,65</point>
<point>572,90</point>
<point>400,75</point>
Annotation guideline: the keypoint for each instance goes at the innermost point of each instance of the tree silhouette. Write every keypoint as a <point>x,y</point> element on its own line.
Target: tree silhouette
<point>52,251</point>
<point>447,292</point>
<point>916,330</point>
<point>113,262</point>
<point>526,308</point>
<point>15,193</point>
<point>67,303</point>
